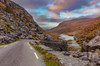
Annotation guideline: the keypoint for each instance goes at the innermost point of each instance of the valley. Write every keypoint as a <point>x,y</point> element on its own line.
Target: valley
<point>74,42</point>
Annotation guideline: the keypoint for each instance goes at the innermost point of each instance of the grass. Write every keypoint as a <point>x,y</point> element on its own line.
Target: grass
<point>98,52</point>
<point>1,44</point>
<point>38,43</point>
<point>49,59</point>
<point>73,49</point>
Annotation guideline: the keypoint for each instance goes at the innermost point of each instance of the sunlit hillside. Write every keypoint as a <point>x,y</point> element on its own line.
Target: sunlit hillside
<point>89,32</point>
<point>71,27</point>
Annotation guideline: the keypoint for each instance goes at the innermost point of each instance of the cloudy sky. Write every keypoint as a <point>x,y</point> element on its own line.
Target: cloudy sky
<point>49,13</point>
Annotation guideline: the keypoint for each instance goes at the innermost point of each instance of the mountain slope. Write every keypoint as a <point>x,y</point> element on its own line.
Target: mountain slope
<point>89,32</point>
<point>71,27</point>
<point>16,22</point>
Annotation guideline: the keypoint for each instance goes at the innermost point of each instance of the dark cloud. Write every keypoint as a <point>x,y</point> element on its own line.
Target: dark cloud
<point>60,5</point>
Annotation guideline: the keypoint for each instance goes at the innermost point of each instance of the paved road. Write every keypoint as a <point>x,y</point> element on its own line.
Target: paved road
<point>20,54</point>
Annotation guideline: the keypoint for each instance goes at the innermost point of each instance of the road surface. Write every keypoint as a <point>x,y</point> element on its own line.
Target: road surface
<point>20,53</point>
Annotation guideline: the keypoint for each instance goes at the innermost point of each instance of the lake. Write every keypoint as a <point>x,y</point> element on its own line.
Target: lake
<point>66,37</point>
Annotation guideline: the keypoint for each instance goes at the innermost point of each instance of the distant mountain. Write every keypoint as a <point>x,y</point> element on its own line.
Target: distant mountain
<point>84,29</point>
<point>16,22</point>
<point>71,27</point>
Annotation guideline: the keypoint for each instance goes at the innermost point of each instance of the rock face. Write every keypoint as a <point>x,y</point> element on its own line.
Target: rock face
<point>94,44</point>
<point>48,38</point>
<point>90,52</point>
<point>56,45</point>
<point>16,22</point>
<point>92,58</point>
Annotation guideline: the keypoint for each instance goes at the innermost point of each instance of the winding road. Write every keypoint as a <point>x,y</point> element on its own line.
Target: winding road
<point>20,53</point>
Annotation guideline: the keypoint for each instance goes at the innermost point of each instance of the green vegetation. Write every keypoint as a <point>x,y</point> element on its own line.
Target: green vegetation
<point>72,48</point>
<point>49,59</point>
<point>38,43</point>
<point>1,44</point>
<point>98,52</point>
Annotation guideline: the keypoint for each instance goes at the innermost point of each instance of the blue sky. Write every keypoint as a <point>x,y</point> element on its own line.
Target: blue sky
<point>49,13</point>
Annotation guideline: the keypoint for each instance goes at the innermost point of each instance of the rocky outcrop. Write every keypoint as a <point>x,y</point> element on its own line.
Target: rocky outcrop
<point>92,45</point>
<point>48,37</point>
<point>91,52</point>
<point>92,58</point>
<point>16,22</point>
<point>56,45</point>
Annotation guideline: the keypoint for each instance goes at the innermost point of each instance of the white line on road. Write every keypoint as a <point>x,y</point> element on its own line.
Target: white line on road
<point>36,55</point>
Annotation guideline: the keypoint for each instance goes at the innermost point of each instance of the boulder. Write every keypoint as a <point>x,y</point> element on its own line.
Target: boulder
<point>94,44</point>
<point>1,29</point>
<point>48,38</point>
<point>79,54</point>
<point>84,46</point>
<point>98,63</point>
<point>84,58</point>
<point>12,27</point>
<point>29,37</point>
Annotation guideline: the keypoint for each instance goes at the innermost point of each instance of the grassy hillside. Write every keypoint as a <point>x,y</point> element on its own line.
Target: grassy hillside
<point>71,27</point>
<point>89,32</point>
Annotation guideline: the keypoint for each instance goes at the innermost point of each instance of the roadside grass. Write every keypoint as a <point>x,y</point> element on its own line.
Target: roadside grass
<point>1,44</point>
<point>49,59</point>
<point>73,49</point>
<point>38,43</point>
